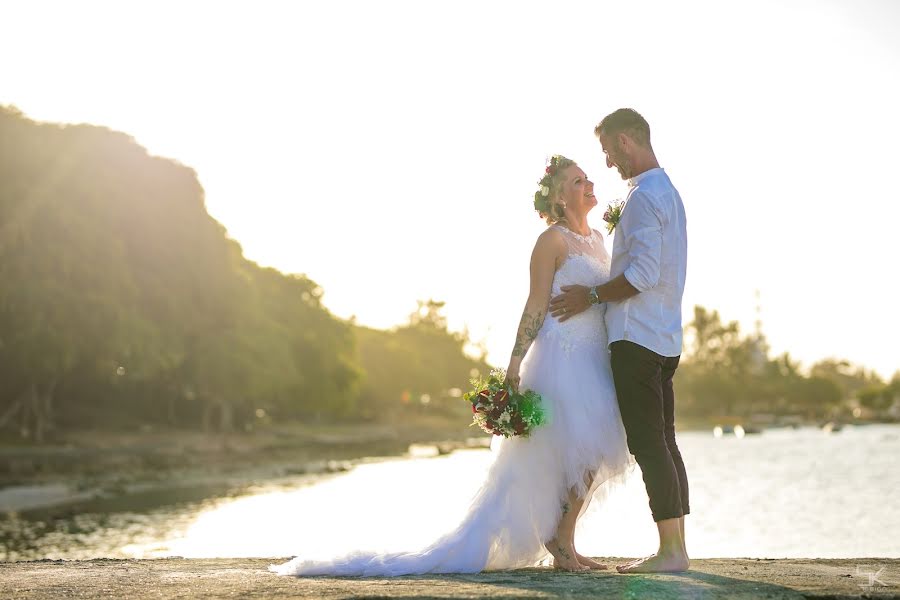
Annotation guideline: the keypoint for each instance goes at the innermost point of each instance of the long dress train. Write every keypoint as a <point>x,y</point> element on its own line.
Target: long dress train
<point>519,505</point>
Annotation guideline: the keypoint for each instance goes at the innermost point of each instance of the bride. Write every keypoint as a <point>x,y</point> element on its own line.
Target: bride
<point>537,486</point>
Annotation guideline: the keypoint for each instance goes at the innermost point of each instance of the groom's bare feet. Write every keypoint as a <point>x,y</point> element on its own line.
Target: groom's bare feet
<point>564,557</point>
<point>658,563</point>
<point>590,563</point>
<point>631,562</point>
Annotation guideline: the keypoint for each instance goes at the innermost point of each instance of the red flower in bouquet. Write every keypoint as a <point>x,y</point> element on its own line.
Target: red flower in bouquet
<point>481,402</point>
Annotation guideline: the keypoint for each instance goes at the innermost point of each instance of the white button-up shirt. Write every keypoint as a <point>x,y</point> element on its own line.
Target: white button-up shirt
<point>650,248</point>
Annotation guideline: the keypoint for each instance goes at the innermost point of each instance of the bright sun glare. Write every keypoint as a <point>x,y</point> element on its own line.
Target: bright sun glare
<point>389,150</point>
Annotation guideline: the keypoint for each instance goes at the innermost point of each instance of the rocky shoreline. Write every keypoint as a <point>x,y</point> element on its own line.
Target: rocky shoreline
<point>42,477</point>
<point>248,578</point>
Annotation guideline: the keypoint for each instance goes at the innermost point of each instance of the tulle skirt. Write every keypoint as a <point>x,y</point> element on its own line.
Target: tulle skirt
<point>582,446</point>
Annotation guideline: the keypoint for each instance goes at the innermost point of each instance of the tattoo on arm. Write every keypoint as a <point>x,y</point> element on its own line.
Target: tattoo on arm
<point>565,508</point>
<point>528,330</point>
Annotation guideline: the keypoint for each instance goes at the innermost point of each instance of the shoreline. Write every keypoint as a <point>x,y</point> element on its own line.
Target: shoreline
<point>68,475</point>
<point>216,578</point>
<point>91,467</point>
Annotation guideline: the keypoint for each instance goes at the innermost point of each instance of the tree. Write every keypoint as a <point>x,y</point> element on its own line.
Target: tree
<point>121,294</point>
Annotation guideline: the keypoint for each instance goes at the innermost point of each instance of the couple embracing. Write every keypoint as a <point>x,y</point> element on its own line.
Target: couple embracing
<point>599,340</point>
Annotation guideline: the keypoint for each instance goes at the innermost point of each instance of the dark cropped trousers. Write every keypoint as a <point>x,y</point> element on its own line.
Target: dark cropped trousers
<point>646,397</point>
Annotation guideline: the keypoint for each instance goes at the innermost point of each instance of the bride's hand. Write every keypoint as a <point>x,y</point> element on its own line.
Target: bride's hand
<point>574,299</point>
<point>512,377</point>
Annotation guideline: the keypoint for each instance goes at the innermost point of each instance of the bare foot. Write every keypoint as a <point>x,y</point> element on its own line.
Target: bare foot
<point>590,562</point>
<point>630,562</point>
<point>658,563</point>
<point>564,557</point>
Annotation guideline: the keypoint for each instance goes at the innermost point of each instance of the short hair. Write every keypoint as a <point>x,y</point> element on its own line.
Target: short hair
<point>628,121</point>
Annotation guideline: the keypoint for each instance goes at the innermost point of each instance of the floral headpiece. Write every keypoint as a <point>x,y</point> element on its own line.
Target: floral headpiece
<point>542,202</point>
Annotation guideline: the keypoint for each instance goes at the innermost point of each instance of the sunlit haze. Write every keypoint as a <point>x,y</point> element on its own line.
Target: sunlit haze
<point>390,150</point>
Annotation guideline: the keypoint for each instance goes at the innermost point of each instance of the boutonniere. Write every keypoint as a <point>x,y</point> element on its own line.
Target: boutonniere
<point>613,214</point>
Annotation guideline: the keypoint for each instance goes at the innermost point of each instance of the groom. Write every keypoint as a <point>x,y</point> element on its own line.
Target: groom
<point>643,318</point>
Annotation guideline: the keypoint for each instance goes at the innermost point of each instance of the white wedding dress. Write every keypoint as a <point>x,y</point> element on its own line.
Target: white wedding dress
<point>519,506</point>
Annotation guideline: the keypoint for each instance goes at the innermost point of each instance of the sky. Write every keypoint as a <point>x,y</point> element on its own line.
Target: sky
<point>390,150</point>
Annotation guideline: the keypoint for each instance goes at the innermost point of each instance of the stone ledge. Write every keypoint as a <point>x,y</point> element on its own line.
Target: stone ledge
<point>248,578</point>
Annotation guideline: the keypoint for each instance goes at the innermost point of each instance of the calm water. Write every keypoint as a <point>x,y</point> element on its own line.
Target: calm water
<point>784,493</point>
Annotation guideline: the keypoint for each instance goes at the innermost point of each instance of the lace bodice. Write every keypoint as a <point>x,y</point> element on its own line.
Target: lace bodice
<point>586,264</point>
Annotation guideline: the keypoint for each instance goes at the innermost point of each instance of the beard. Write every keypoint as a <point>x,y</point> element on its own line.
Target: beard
<point>624,168</point>
<point>622,163</point>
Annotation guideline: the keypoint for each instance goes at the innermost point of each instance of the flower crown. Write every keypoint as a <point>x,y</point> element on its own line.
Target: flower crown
<point>542,202</point>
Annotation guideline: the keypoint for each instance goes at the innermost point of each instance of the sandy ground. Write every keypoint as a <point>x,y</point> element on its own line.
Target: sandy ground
<point>248,578</point>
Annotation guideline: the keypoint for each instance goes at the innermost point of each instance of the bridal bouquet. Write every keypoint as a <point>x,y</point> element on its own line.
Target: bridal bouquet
<point>501,411</point>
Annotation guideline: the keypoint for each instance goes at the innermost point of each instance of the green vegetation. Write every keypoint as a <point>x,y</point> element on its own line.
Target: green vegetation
<point>727,375</point>
<point>124,304</point>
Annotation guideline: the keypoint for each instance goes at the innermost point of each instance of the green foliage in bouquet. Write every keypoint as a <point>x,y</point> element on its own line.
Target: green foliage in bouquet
<point>501,411</point>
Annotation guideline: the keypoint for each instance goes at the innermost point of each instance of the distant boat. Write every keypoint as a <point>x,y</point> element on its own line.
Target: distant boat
<point>720,430</point>
<point>832,427</point>
<point>739,431</point>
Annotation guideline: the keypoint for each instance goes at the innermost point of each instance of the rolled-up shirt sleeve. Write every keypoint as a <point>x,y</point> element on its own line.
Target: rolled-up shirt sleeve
<point>643,238</point>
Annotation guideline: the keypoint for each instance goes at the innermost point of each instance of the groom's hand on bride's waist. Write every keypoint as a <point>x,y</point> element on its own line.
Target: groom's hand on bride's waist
<point>574,299</point>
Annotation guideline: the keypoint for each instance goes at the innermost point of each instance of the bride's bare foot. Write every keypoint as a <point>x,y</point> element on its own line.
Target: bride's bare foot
<point>658,563</point>
<point>590,563</point>
<point>564,558</point>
